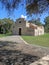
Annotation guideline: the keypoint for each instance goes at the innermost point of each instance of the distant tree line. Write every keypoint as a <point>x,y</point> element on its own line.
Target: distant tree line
<point>37,22</point>
<point>46,24</point>
<point>5,25</point>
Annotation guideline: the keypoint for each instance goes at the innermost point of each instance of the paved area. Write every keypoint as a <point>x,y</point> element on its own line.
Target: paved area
<point>14,51</point>
<point>12,39</point>
<point>43,61</point>
<point>19,44</point>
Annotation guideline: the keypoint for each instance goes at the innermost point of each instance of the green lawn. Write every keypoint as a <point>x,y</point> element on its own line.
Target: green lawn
<point>3,35</point>
<point>42,40</point>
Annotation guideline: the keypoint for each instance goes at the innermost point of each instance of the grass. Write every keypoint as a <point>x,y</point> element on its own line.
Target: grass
<point>3,35</point>
<point>42,40</point>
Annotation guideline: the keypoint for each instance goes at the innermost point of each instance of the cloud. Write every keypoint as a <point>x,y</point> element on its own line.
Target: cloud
<point>22,16</point>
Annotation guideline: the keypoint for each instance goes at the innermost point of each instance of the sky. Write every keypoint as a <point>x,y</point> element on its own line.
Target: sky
<point>20,12</point>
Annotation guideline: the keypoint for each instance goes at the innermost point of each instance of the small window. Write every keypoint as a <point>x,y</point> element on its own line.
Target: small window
<point>19,21</point>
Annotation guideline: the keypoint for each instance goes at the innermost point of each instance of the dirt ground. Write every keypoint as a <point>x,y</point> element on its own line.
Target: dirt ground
<point>13,51</point>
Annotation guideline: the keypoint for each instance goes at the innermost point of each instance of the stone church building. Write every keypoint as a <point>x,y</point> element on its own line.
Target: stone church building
<point>23,27</point>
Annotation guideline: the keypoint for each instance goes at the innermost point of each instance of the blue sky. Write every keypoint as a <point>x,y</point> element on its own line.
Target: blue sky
<point>17,14</point>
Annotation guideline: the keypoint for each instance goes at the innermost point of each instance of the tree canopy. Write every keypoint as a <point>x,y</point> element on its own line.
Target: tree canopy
<point>5,25</point>
<point>37,6</point>
<point>47,24</point>
<point>10,5</point>
<point>37,22</point>
<point>32,6</point>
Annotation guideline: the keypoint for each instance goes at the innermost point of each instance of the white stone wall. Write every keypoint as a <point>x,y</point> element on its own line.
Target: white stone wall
<point>27,24</point>
<point>39,31</point>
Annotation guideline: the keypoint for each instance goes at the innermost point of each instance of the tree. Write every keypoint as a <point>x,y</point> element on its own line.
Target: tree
<point>5,25</point>
<point>2,29</point>
<point>47,24</point>
<point>32,6</point>
<point>8,24</point>
<point>37,6</point>
<point>37,22</point>
<point>10,5</point>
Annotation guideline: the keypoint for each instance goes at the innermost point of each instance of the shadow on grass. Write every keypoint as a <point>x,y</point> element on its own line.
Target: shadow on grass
<point>14,57</point>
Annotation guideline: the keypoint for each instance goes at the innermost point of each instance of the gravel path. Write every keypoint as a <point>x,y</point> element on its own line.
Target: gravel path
<point>14,50</point>
<point>12,39</point>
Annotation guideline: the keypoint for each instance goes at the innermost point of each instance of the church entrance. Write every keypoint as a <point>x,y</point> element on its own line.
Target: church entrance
<point>19,31</point>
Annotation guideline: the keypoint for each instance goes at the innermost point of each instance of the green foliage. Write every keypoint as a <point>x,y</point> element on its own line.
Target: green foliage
<point>10,4</point>
<point>47,24</point>
<point>32,6</point>
<point>7,34</point>
<point>37,22</point>
<point>37,6</point>
<point>5,25</point>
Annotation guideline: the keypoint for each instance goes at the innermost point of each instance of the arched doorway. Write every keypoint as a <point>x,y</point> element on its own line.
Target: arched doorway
<point>19,31</point>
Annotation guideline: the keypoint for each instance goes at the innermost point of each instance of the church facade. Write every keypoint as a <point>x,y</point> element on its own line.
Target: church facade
<point>23,27</point>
